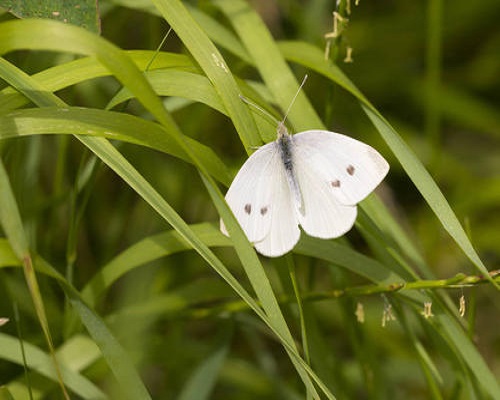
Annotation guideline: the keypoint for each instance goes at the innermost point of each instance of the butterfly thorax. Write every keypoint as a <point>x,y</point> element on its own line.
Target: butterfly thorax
<point>285,148</point>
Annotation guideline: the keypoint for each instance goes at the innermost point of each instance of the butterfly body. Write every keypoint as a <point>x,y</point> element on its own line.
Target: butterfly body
<point>284,145</point>
<point>313,179</point>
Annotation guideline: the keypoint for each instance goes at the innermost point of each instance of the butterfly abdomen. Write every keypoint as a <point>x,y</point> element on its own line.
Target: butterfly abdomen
<point>285,147</point>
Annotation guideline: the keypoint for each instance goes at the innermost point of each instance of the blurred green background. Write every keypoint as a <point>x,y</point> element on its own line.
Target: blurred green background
<point>432,68</point>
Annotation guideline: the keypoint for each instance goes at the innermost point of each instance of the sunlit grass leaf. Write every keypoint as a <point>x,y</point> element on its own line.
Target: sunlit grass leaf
<point>147,250</point>
<point>116,357</point>
<point>11,222</point>
<point>179,84</point>
<point>108,124</point>
<point>434,356</point>
<point>83,13</point>
<point>266,56</point>
<point>41,362</point>
<point>216,70</point>
<point>113,159</point>
<point>5,394</point>
<point>87,68</point>
<point>313,58</point>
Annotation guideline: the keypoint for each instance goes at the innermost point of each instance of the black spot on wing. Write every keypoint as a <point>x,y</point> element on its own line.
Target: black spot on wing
<point>248,208</point>
<point>350,169</point>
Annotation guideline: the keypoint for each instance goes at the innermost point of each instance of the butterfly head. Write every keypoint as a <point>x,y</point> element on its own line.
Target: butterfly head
<point>282,131</point>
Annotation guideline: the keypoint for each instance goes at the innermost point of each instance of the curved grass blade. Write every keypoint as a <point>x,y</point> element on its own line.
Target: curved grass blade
<point>41,362</point>
<point>147,250</point>
<point>217,71</point>
<point>14,229</point>
<point>108,124</point>
<point>114,159</point>
<point>201,383</point>
<point>266,56</point>
<point>53,36</point>
<point>5,394</point>
<point>170,82</point>
<point>83,69</point>
<point>254,40</point>
<point>312,57</point>
<point>86,14</point>
<point>115,355</point>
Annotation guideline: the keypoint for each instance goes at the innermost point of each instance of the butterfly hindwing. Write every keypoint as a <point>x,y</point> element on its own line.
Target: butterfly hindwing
<point>350,168</point>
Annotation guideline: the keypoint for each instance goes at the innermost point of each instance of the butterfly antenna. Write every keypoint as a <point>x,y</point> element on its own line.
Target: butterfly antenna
<point>293,100</point>
<point>259,108</point>
<point>157,51</point>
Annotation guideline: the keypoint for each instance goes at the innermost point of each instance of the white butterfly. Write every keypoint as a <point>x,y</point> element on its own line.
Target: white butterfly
<point>313,179</point>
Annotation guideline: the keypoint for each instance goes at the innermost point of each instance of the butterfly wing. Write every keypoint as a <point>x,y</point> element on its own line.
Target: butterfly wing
<point>284,232</point>
<point>261,202</point>
<point>351,169</point>
<point>321,214</point>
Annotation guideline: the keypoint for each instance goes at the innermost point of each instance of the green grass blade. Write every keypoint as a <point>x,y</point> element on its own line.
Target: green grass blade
<point>147,250</point>
<point>266,56</point>
<point>125,372</point>
<point>87,68</point>
<point>184,84</point>
<point>10,218</point>
<point>217,71</point>
<point>42,363</point>
<point>201,383</point>
<point>5,394</point>
<point>12,225</point>
<point>107,124</point>
<point>312,57</point>
<point>471,357</point>
<point>114,159</point>
<point>84,14</point>
<point>219,34</point>
<point>213,65</point>
<point>428,188</point>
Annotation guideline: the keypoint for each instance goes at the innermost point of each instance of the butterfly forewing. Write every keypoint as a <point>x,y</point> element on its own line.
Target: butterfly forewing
<point>321,215</point>
<point>250,194</point>
<point>349,168</point>
<point>284,232</point>
<point>260,200</point>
